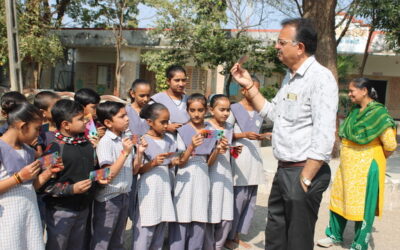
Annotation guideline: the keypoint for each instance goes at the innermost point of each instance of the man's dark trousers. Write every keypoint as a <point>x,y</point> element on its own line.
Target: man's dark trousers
<point>292,213</point>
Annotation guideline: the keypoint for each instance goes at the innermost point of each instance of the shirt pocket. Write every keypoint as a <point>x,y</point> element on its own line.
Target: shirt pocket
<point>290,110</point>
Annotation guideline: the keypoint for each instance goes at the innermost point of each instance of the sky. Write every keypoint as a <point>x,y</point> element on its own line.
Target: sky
<point>148,15</point>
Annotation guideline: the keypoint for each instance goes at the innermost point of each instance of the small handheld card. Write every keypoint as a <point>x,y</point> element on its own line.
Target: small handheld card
<point>100,174</point>
<point>234,150</point>
<point>218,134</point>
<point>90,130</point>
<point>243,59</point>
<point>48,160</point>
<point>172,155</point>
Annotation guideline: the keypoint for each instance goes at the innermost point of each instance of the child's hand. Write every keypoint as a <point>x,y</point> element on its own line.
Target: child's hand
<point>197,140</point>
<point>265,136</point>
<point>142,146</point>
<point>101,131</point>
<point>252,135</point>
<point>81,186</point>
<point>173,127</point>
<point>94,140</point>
<point>222,145</point>
<point>239,149</point>
<point>30,171</point>
<point>105,181</point>
<point>159,160</point>
<point>58,167</point>
<point>175,161</point>
<point>127,145</point>
<point>35,142</point>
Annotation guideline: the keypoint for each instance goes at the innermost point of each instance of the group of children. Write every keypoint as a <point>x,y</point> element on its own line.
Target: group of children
<point>169,169</point>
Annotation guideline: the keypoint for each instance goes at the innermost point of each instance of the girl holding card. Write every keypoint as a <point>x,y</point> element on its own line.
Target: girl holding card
<point>192,183</point>
<point>247,169</point>
<point>140,95</point>
<point>19,174</point>
<point>154,205</point>
<point>220,208</point>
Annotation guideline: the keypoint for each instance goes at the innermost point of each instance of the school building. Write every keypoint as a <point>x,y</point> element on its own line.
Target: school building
<point>91,62</point>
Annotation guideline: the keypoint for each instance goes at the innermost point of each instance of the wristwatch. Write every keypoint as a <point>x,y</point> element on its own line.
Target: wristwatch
<point>306,181</point>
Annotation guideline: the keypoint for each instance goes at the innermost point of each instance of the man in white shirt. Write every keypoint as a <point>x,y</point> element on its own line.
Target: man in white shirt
<point>304,116</point>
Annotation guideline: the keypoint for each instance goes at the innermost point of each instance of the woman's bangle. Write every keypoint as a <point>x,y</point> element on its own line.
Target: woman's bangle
<point>17,178</point>
<point>247,89</point>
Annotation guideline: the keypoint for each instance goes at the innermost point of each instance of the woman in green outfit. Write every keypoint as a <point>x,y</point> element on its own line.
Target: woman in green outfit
<point>368,138</point>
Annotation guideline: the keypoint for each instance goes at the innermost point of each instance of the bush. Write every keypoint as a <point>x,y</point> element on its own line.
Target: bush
<point>270,92</point>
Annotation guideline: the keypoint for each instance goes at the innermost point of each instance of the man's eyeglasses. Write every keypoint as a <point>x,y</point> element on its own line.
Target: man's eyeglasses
<point>282,42</point>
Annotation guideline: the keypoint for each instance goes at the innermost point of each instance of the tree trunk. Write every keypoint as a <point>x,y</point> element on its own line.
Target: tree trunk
<point>227,85</point>
<point>117,71</point>
<point>323,15</point>
<point>365,57</point>
<point>37,71</point>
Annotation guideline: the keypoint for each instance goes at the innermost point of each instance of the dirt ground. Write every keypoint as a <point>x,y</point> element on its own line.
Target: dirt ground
<point>386,230</point>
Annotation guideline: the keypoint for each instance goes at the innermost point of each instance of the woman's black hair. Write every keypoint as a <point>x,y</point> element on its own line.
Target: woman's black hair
<point>134,84</point>
<point>87,96</point>
<point>151,111</point>
<point>196,97</point>
<point>42,98</point>
<point>215,98</point>
<point>65,110</point>
<point>170,72</point>
<point>363,82</point>
<point>10,99</point>
<point>107,110</point>
<point>24,112</point>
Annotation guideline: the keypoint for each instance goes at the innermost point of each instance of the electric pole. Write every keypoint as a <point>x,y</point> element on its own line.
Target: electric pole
<point>13,47</point>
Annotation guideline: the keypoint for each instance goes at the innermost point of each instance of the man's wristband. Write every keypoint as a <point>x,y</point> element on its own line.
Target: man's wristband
<point>247,89</point>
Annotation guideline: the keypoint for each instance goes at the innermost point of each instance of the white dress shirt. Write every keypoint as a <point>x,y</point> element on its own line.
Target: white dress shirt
<point>304,114</point>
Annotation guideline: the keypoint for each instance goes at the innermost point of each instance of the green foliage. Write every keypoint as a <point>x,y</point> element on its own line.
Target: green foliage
<point>345,64</point>
<point>193,30</point>
<point>158,61</point>
<point>383,15</point>
<point>104,13</point>
<point>38,46</point>
<point>344,103</point>
<point>3,36</point>
<point>270,92</point>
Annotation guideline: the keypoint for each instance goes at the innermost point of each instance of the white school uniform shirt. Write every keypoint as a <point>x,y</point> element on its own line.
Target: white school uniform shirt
<point>20,225</point>
<point>304,114</point>
<point>154,194</point>
<point>192,188</point>
<point>108,151</point>
<point>248,167</point>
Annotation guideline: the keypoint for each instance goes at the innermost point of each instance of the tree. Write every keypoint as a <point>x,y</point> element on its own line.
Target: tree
<point>194,30</point>
<point>38,46</point>
<point>381,15</point>
<point>113,14</point>
<point>323,14</point>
